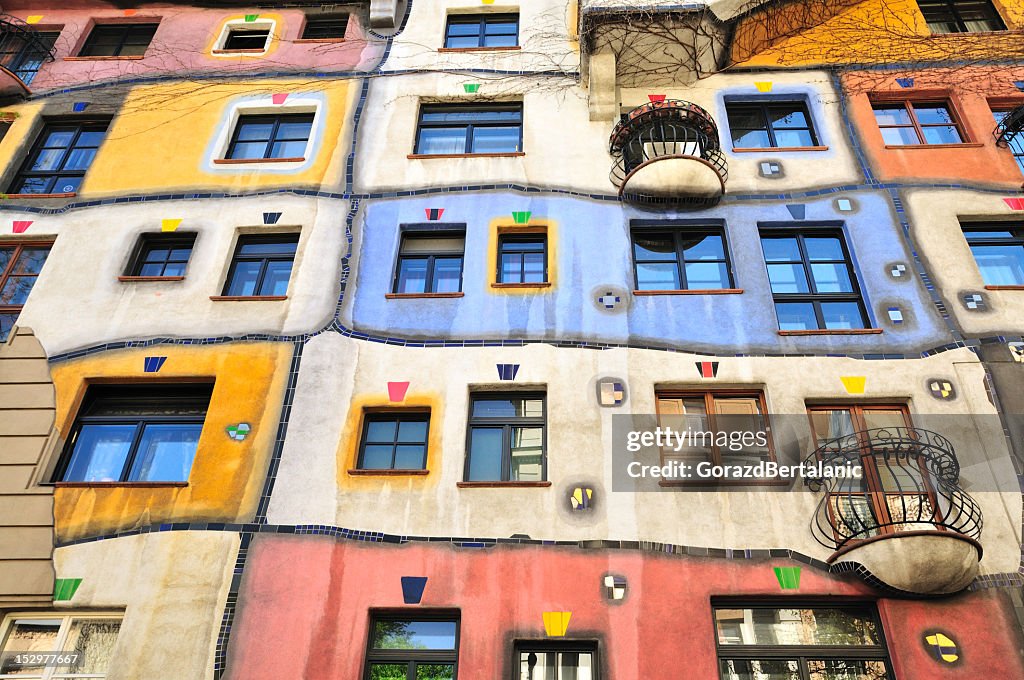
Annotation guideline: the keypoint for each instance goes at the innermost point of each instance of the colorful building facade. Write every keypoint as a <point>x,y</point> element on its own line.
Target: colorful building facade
<point>328,331</point>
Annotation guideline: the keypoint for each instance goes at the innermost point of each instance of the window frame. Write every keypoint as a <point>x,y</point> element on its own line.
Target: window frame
<point>239,26</point>
<point>507,424</point>
<point>419,415</point>
<point>469,126</point>
<point>125,29</point>
<point>8,271</point>
<point>426,232</point>
<point>49,126</point>
<point>140,421</point>
<point>312,21</point>
<point>66,619</point>
<point>570,645</point>
<point>513,237</point>
<point>171,241</point>
<point>801,653</point>
<point>481,19</point>
<point>412,657</point>
<point>953,10</point>
<point>16,60</point>
<point>236,257</point>
<point>276,119</point>
<point>764,106</point>
<point>813,297</point>
<point>1017,240</point>
<point>1016,145</point>
<point>908,104</point>
<point>678,231</point>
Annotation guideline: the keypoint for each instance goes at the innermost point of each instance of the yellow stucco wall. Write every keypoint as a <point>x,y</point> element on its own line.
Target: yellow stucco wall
<point>227,475</point>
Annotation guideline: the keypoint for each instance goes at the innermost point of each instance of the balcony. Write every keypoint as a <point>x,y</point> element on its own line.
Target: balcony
<point>22,51</point>
<point>906,521</point>
<point>1008,130</point>
<point>668,152</point>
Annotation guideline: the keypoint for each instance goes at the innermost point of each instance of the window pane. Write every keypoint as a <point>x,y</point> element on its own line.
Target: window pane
<point>944,134</point>
<point>824,248</point>
<point>1000,265</point>
<point>441,141</point>
<point>750,139</point>
<point>905,136</point>
<point>414,635</point>
<point>380,431</point>
<point>892,115</point>
<point>94,640</point>
<point>846,669</point>
<point>6,253</point>
<point>410,456</point>
<point>495,139</point>
<point>655,246</point>
<point>657,276</point>
<point>759,669</point>
<point>249,131</point>
<point>7,320</point>
<point>79,159</point>
<point>30,261</point>
<point>377,456</point>
<point>100,453</point>
<point>553,665</point>
<point>47,160</point>
<point>412,431</point>
<point>432,244</point>
<point>59,138</point>
<point>260,247</point>
<point>703,247</point>
<point>243,280</point>
<point>165,453</point>
<point>275,281</point>
<point>435,671</point>
<point>533,268</point>
<point>831,278</point>
<point>706,275</point>
<point>16,290</point>
<point>448,275</point>
<point>174,269</point>
<point>511,268</point>
<point>30,635</point>
<point>412,276</point>
<point>294,129</point>
<point>780,249</point>
<point>510,40</point>
<point>485,454</point>
<point>842,315</point>
<point>790,138</point>
<point>787,117</point>
<point>527,454</point>
<point>294,149</point>
<point>389,671</point>
<point>796,316</point>
<point>498,407</point>
<point>928,114</point>
<point>806,626</point>
<point>91,138</point>
<point>464,28</point>
<point>248,150</point>
<point>787,278</point>
<point>745,117</point>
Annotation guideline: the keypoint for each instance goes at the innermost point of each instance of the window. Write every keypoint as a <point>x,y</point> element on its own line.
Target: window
<point>716,412</point>
<point>812,281</point>
<point>1016,143</point>
<point>91,637</point>
<point>265,137</point>
<point>506,438</point>
<point>118,40</point>
<point>820,642</point>
<point>422,648</point>
<point>909,123</point>
<point>60,158</point>
<point>430,262</point>
<point>482,30</point>
<point>998,249</point>
<point>262,266</point>
<point>23,57</point>
<point>522,259</point>
<point>394,441</point>
<point>681,259</point>
<point>20,264</point>
<point>249,39</point>
<point>769,124</point>
<point>463,129</point>
<point>961,16</point>
<point>543,660</point>
<point>325,28</point>
<point>136,433</point>
<point>158,255</point>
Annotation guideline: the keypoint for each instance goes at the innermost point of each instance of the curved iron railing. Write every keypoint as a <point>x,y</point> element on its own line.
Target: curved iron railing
<point>670,128</point>
<point>910,482</point>
<point>22,48</point>
<point>1009,127</point>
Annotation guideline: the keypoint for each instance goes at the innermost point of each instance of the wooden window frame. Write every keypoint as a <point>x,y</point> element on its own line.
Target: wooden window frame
<point>506,424</point>
<point>7,272</point>
<point>882,102</point>
<point>412,657</point>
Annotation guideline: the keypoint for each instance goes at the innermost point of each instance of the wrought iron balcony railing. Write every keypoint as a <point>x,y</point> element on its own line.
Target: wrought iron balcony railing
<point>661,130</point>
<point>910,483</point>
<point>1009,127</point>
<point>23,49</point>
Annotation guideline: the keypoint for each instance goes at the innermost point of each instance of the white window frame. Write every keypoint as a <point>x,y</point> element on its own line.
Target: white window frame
<point>62,636</point>
<point>225,31</point>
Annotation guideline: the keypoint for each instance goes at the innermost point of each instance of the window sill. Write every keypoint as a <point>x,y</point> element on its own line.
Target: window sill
<point>147,279</point>
<point>773,149</point>
<point>510,48</point>
<point>1004,287</point>
<point>694,291</point>
<point>250,161</point>
<point>70,195</point>
<point>835,331</point>
<point>964,145</point>
<point>388,473</point>
<point>110,485</point>
<point>248,298</point>
<point>133,57</point>
<point>545,284</point>
<point>424,156</point>
<point>306,41</point>
<point>490,485</point>
<point>410,296</point>
<point>248,51</point>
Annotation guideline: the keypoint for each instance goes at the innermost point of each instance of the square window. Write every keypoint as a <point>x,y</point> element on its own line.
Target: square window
<point>961,16</point>
<point>762,124</point>
<point>136,433</point>
<point>522,258</point>
<point>566,660</point>
<point>262,266</point>
<point>507,433</point>
<point>160,255</point>
<point>482,30</point>
<point>998,249</point>
<point>118,40</point>
<point>258,137</point>
<point>325,28</point>
<point>394,441</point>
<point>430,262</point>
<point>92,637</point>
<point>248,39</point>
<point>422,646</point>
<point>812,280</point>
<point>20,264</point>
<point>60,158</point>
<point>458,129</point>
<point>912,123</point>
<point>680,258</point>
